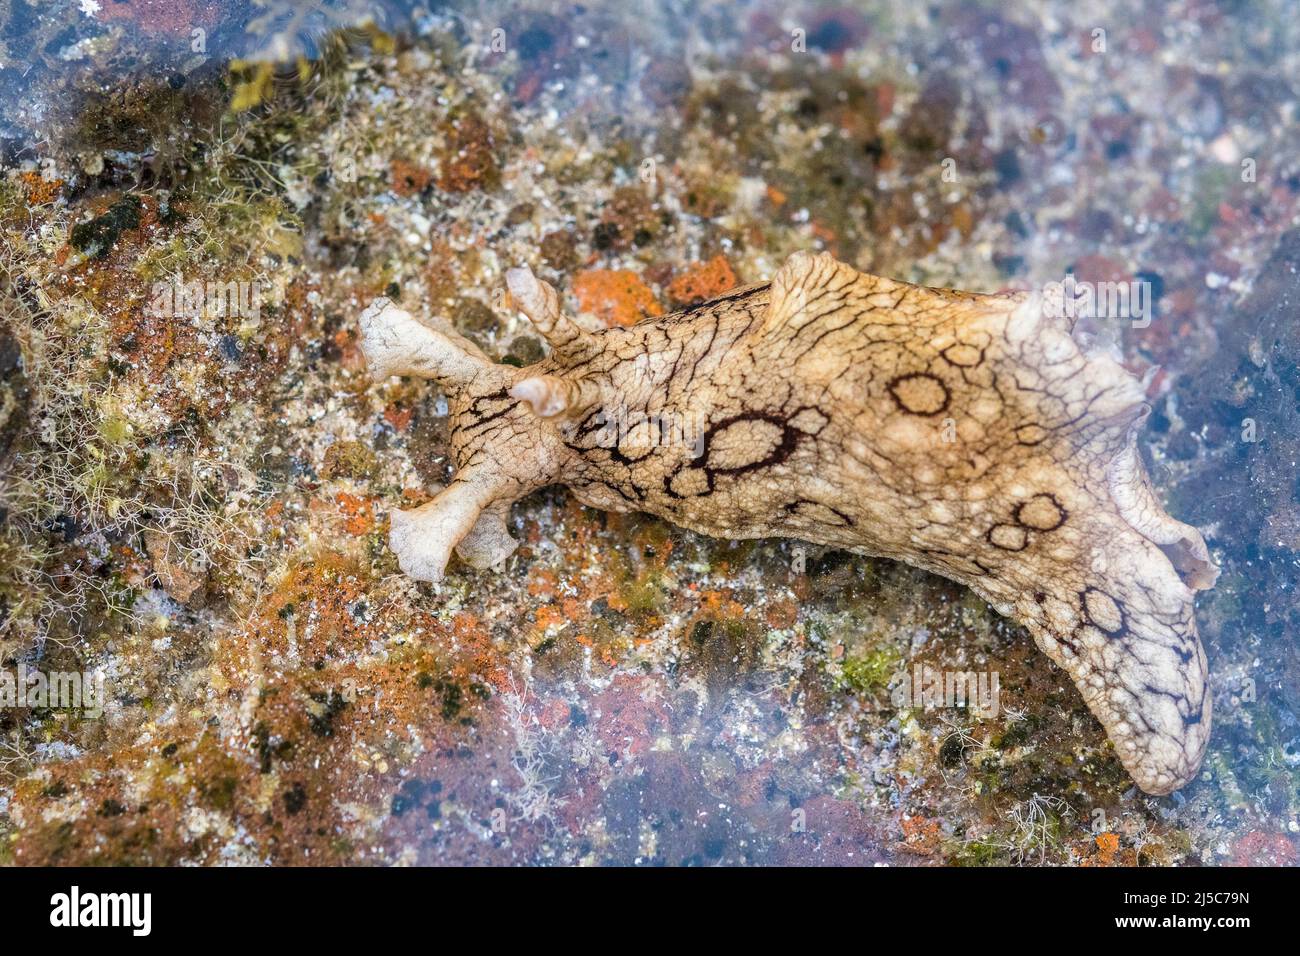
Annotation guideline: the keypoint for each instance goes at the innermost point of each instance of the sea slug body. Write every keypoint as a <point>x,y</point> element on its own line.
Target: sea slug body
<point>961,433</point>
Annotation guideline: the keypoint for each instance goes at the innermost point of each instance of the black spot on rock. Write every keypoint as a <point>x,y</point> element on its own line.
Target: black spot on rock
<point>295,798</point>
<point>97,237</point>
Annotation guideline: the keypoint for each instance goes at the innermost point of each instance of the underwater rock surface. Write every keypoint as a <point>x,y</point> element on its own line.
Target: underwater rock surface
<point>198,474</point>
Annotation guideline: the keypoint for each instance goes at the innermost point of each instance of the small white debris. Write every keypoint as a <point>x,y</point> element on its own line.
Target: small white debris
<point>1225,149</point>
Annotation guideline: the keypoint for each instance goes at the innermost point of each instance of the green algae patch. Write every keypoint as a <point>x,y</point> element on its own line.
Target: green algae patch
<point>872,671</point>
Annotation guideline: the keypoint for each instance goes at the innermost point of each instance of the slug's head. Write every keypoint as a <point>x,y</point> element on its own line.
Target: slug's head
<point>504,438</point>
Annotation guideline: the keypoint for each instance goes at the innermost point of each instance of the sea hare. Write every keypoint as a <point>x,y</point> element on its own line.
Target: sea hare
<point>965,434</point>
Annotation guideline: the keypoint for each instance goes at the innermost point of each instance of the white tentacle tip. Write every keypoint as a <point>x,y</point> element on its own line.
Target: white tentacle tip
<point>381,327</point>
<point>543,393</point>
<point>378,318</point>
<point>520,280</point>
<point>525,289</point>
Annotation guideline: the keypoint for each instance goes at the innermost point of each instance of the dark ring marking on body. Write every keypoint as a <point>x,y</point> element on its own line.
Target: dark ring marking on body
<point>1041,512</point>
<point>927,393</point>
<point>784,448</point>
<point>1007,537</point>
<point>781,450</point>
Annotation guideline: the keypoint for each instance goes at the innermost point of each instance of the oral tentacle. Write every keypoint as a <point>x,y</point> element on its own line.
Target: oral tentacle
<point>423,538</point>
<point>395,343</point>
